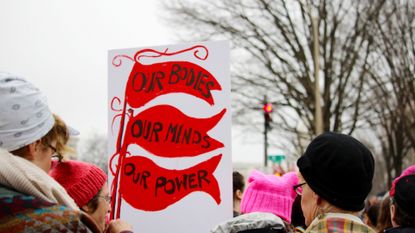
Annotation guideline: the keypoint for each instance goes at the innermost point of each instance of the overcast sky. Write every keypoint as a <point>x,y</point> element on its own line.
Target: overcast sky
<point>61,46</point>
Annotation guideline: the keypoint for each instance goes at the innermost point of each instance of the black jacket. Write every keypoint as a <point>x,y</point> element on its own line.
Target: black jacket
<point>400,230</point>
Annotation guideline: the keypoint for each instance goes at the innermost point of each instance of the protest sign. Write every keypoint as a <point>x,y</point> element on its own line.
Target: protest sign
<point>170,136</point>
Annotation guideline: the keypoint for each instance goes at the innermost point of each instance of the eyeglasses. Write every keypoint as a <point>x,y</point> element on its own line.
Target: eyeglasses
<point>55,152</point>
<point>107,198</point>
<point>298,189</point>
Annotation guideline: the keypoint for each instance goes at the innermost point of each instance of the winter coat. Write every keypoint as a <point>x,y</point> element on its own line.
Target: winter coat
<point>256,222</point>
<point>24,213</point>
<point>400,230</point>
<point>32,201</point>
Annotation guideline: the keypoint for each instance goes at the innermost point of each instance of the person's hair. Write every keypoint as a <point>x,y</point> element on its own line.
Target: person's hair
<point>384,217</point>
<point>372,213</point>
<point>59,132</point>
<point>402,218</point>
<point>297,216</point>
<point>238,182</point>
<point>93,203</point>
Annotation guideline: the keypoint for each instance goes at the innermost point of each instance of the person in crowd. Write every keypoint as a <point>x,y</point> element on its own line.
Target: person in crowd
<point>371,200</point>
<point>297,217</point>
<point>370,216</point>
<point>266,205</point>
<point>384,218</point>
<point>402,202</point>
<point>87,184</point>
<point>402,206</point>
<point>31,200</point>
<point>238,189</point>
<point>335,174</point>
<point>30,135</point>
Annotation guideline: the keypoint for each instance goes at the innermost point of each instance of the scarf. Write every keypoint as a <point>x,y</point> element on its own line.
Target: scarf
<point>25,177</point>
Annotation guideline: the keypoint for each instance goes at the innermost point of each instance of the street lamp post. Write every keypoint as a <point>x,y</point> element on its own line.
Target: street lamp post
<point>316,56</point>
<point>318,115</point>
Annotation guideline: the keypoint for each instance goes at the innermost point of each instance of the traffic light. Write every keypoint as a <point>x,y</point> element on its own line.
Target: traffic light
<point>267,107</point>
<point>267,115</point>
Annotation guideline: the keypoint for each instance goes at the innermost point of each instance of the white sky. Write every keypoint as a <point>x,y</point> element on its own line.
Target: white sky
<point>61,46</point>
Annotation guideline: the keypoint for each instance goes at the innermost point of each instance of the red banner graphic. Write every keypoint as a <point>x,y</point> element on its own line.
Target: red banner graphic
<point>146,186</point>
<point>165,131</point>
<point>149,81</point>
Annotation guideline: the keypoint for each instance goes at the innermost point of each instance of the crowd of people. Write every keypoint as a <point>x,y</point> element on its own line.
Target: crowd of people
<point>334,179</point>
<point>328,193</point>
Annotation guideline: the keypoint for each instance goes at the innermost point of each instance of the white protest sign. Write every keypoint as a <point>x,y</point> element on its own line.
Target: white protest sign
<point>170,136</point>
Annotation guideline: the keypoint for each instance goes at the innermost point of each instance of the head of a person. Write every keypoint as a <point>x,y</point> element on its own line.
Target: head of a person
<point>27,127</point>
<point>402,206</point>
<point>408,171</point>
<point>270,194</point>
<point>384,218</point>
<point>335,173</point>
<point>238,185</point>
<point>86,183</point>
<point>371,215</point>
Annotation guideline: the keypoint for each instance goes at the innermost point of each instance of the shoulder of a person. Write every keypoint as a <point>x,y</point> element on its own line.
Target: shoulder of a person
<point>7,191</point>
<point>400,230</point>
<point>89,222</point>
<point>25,213</point>
<point>347,225</point>
<point>250,221</point>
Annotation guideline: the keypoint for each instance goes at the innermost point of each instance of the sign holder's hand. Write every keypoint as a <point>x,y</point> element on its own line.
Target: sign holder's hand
<point>118,226</point>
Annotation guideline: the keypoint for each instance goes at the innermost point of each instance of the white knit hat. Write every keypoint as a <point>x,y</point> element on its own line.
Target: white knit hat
<point>24,113</point>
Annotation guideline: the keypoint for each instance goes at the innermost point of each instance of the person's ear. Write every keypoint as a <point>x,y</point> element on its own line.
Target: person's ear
<point>317,198</point>
<point>239,194</point>
<point>33,148</point>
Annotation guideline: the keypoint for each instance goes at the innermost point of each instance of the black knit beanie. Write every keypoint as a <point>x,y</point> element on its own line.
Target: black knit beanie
<point>339,169</point>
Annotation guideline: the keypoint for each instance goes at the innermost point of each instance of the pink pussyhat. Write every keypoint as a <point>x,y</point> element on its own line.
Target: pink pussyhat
<point>270,193</point>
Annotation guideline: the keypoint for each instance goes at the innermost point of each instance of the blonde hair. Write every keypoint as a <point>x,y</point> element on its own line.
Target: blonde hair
<point>60,133</point>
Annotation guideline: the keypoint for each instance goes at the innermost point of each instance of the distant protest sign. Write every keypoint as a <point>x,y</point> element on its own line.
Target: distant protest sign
<point>170,137</point>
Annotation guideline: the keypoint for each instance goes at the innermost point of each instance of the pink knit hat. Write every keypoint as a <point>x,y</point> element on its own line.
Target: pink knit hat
<point>81,180</point>
<point>270,193</point>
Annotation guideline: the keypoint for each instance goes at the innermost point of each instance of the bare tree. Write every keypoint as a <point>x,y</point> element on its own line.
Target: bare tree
<point>272,43</point>
<point>94,150</point>
<point>392,80</point>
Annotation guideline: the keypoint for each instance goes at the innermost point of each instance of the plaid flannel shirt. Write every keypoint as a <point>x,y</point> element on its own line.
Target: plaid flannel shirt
<point>339,223</point>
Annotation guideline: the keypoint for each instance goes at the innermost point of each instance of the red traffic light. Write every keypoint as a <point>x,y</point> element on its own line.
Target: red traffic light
<point>267,108</point>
